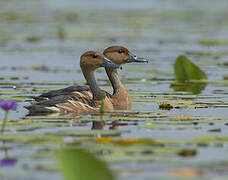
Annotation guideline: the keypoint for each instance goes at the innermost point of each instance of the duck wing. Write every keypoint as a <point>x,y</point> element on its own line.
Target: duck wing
<point>76,101</point>
<point>60,92</point>
<point>41,107</point>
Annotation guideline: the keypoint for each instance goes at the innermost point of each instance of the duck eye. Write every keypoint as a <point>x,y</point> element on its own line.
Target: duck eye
<point>120,51</point>
<point>95,56</point>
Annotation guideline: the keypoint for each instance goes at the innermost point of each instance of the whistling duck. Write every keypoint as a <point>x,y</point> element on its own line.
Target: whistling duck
<point>81,99</point>
<point>121,99</point>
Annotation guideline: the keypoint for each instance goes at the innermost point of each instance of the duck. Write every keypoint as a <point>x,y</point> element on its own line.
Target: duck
<point>78,99</point>
<point>120,55</point>
<point>120,98</point>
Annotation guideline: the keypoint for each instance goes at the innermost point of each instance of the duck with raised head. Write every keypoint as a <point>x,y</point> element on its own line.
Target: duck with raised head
<point>120,55</point>
<point>120,99</point>
<point>79,99</point>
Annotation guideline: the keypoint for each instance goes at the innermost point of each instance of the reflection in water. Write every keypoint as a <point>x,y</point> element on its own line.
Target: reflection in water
<point>98,125</point>
<point>195,88</point>
<point>7,161</point>
<point>112,126</point>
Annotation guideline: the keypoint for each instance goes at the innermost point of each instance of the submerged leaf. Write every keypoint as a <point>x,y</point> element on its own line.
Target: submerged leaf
<point>127,141</point>
<point>187,152</point>
<point>165,106</point>
<point>186,173</point>
<point>185,70</point>
<point>79,164</point>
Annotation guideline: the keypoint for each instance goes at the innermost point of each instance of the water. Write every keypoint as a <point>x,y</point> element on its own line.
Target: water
<point>158,30</point>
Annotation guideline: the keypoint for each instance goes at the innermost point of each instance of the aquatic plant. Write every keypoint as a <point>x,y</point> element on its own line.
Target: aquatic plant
<point>185,70</point>
<point>7,105</point>
<point>76,163</point>
<point>8,162</point>
<point>102,110</point>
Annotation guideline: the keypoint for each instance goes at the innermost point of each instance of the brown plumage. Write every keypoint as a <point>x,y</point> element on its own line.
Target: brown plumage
<point>77,99</point>
<point>120,99</point>
<point>66,100</point>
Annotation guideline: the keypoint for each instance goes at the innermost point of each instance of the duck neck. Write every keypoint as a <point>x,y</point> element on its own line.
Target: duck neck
<point>98,94</point>
<point>114,79</point>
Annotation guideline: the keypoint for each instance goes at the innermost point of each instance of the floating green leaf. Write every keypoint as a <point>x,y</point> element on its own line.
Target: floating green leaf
<point>185,70</point>
<point>79,164</point>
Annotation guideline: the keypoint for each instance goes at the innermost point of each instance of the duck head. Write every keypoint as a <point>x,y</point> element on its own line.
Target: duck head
<point>121,55</point>
<point>92,60</point>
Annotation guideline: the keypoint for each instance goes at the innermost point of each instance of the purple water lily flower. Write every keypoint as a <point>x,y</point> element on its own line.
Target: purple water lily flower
<point>8,162</point>
<point>8,105</point>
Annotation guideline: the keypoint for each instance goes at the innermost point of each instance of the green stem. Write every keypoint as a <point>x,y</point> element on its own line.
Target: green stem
<point>4,147</point>
<point>4,122</point>
<point>6,152</point>
<point>102,110</point>
<point>101,117</point>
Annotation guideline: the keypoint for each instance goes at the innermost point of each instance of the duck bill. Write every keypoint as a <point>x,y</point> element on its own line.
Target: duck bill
<point>134,58</point>
<point>109,64</point>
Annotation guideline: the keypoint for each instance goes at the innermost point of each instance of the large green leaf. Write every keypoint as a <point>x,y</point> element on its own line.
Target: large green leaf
<point>77,164</point>
<point>185,70</point>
